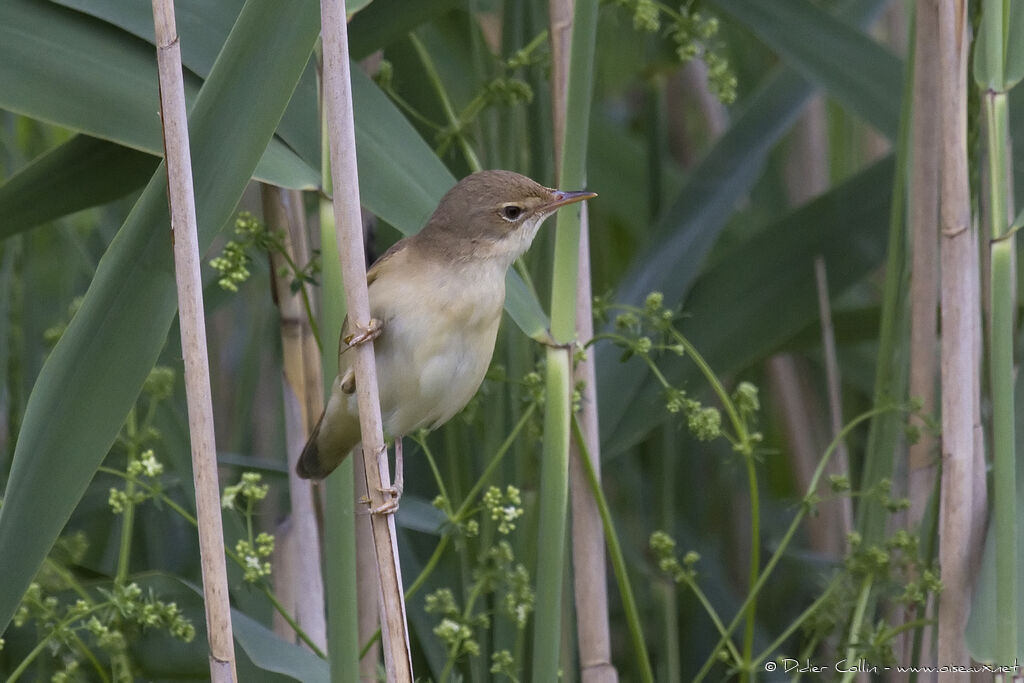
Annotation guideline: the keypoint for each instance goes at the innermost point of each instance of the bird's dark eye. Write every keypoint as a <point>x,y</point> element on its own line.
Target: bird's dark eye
<point>511,212</point>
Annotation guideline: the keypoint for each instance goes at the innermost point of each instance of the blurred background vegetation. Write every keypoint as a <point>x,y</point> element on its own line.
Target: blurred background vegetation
<point>743,152</point>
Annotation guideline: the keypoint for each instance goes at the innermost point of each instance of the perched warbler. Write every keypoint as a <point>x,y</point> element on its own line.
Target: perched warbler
<point>435,300</point>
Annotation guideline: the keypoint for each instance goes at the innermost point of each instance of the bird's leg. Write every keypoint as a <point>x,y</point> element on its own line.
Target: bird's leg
<point>399,483</point>
<point>364,334</point>
<point>395,490</point>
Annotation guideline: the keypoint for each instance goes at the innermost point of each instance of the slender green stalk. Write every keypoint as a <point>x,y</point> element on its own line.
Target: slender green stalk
<point>293,622</point>
<point>128,514</point>
<point>449,111</point>
<point>340,582</point>
<point>44,642</point>
<point>492,466</point>
<point>174,507</point>
<point>462,512</point>
<point>554,496</point>
<point>428,568</point>
<point>1004,460</point>
<point>1002,283</point>
<point>438,479</point>
<point>554,484</point>
<point>744,444</point>
<point>618,560</point>
<point>673,670</point>
<point>994,77</point>
<point>712,613</point>
<point>573,170</point>
<point>787,538</point>
<point>307,304</point>
<point>855,624</point>
<point>892,367</point>
<point>755,559</point>
<point>485,476</point>
<point>68,578</point>
<point>795,624</point>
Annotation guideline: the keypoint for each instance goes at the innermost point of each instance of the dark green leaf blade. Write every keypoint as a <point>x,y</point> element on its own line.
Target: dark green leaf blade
<point>685,234</point>
<point>762,294</point>
<point>386,21</point>
<point>96,370</point>
<point>401,180</point>
<point>268,652</point>
<point>63,67</point>
<point>830,52</point>
<point>202,27</point>
<point>81,173</point>
<point>1015,47</point>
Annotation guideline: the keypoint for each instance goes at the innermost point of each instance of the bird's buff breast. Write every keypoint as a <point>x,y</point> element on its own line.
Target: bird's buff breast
<point>436,345</point>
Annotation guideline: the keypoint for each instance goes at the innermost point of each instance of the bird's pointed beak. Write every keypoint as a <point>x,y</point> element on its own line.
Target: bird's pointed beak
<point>560,198</point>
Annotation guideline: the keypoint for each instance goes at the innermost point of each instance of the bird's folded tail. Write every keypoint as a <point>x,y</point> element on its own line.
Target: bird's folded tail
<point>311,465</point>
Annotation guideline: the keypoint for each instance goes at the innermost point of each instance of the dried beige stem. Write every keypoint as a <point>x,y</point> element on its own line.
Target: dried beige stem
<point>302,580</point>
<point>589,562</point>
<point>366,581</point>
<point>961,330</point>
<point>341,131</point>
<point>560,29</point>
<point>924,271</point>
<point>193,342</point>
<point>807,176</point>
<point>923,217</point>
<point>840,463</point>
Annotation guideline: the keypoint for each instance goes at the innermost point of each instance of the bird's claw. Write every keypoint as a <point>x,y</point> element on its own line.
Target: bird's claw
<point>365,334</point>
<point>389,507</point>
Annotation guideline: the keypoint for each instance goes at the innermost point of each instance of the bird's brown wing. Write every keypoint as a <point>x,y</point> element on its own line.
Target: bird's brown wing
<point>374,271</point>
<point>371,276</point>
<point>318,459</point>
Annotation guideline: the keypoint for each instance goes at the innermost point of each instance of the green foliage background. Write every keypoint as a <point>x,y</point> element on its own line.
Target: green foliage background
<point>83,214</point>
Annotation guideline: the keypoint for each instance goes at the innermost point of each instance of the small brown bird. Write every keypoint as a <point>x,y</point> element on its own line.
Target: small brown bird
<point>436,300</point>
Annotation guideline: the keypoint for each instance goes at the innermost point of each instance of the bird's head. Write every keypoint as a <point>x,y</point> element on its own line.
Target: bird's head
<point>494,215</point>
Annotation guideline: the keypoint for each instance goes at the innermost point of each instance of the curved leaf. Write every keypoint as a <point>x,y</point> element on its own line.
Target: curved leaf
<point>268,652</point>
<point>762,294</point>
<point>60,66</point>
<point>76,175</point>
<point>386,21</point>
<point>684,236</point>
<point>94,374</point>
<point>203,27</point>
<point>401,180</point>
<point>982,625</point>
<point>854,69</point>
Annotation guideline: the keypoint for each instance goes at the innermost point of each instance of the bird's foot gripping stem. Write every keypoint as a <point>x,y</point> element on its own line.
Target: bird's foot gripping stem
<point>364,334</point>
<point>390,507</point>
